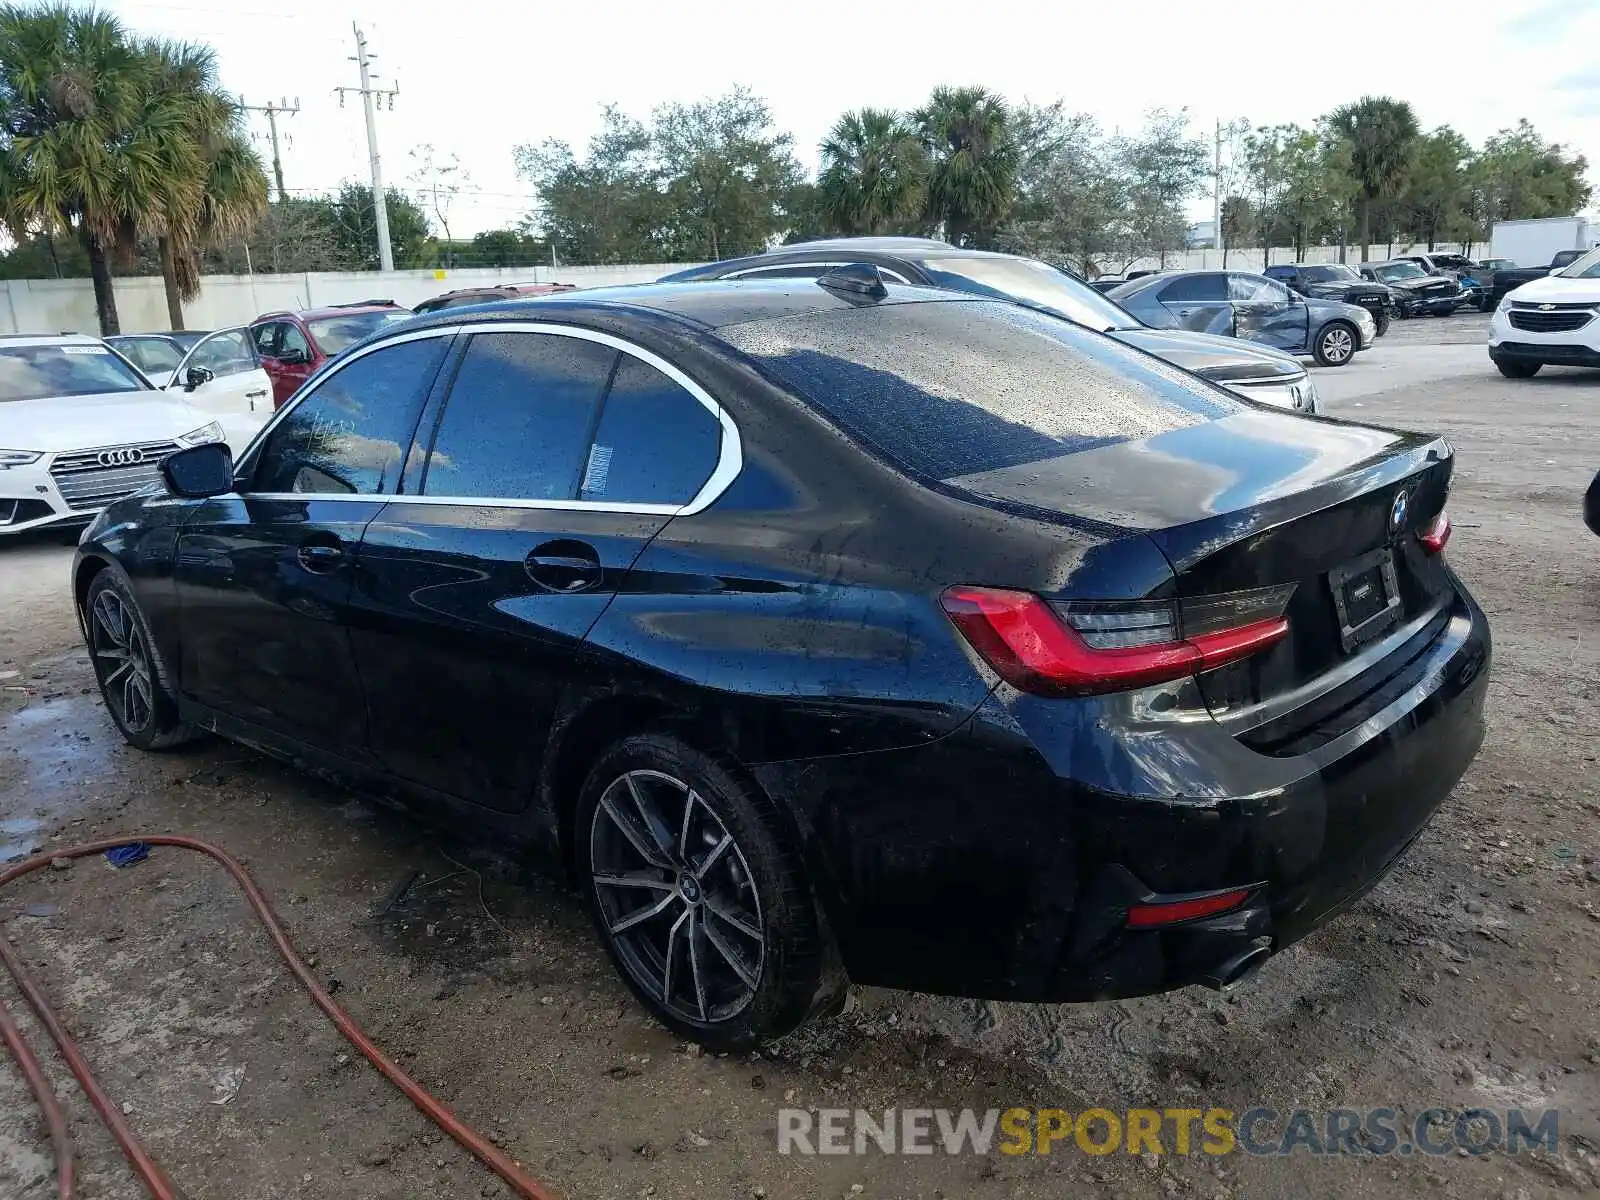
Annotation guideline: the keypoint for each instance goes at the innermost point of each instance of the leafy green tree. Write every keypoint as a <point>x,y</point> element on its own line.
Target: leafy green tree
<point>608,206</point>
<point>1382,134</point>
<point>504,248</point>
<point>1072,205</point>
<point>44,257</point>
<point>1437,199</point>
<point>1165,165</point>
<point>1520,176</point>
<point>213,182</point>
<point>355,229</point>
<point>874,176</point>
<point>973,160</point>
<point>78,151</point>
<point>727,170</point>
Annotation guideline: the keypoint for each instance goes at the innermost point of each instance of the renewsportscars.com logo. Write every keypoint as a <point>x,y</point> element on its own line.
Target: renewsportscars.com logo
<point>1181,1131</point>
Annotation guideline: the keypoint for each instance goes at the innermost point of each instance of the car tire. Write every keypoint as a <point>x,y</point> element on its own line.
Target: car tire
<point>1517,369</point>
<point>133,678</point>
<point>1336,344</point>
<point>1382,322</point>
<point>695,884</point>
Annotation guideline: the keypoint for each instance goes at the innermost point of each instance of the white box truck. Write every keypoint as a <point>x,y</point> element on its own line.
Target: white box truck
<point>1534,243</point>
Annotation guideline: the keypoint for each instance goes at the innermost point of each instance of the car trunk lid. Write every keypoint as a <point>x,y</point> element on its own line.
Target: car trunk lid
<point>1262,501</point>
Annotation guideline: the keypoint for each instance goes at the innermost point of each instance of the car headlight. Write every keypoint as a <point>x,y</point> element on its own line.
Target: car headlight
<point>19,458</point>
<point>1504,305</point>
<point>1368,325</point>
<point>203,435</point>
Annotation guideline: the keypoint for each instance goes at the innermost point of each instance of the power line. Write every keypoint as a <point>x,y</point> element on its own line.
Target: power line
<point>272,112</point>
<point>380,201</point>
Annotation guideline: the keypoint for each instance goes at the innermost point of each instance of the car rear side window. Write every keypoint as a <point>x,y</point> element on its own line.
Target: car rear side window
<point>518,420</point>
<point>950,389</point>
<point>655,444</point>
<point>1198,288</point>
<point>351,431</point>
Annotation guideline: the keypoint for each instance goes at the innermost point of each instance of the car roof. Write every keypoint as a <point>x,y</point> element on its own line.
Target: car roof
<point>49,339</point>
<point>706,304</point>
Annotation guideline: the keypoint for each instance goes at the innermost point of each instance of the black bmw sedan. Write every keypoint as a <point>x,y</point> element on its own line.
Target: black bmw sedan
<point>825,631</point>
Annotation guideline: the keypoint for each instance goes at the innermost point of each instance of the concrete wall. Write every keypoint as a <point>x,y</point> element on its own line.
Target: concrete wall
<point>54,305</point>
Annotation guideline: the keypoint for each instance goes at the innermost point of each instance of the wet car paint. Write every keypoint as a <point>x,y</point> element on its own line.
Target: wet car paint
<point>960,836</point>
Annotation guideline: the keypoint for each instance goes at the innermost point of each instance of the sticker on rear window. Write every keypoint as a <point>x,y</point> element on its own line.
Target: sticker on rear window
<point>84,350</point>
<point>599,468</point>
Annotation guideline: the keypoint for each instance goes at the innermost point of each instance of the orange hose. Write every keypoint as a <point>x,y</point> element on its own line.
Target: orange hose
<point>149,1173</point>
<point>44,1096</point>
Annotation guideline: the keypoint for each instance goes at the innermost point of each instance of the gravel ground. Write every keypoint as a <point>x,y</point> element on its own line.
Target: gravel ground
<point>1468,977</point>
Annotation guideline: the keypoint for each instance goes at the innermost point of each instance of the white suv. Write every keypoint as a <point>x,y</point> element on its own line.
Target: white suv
<point>80,427</point>
<point>1551,321</point>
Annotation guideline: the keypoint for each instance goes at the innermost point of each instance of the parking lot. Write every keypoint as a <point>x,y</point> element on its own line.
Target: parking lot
<point>1469,977</point>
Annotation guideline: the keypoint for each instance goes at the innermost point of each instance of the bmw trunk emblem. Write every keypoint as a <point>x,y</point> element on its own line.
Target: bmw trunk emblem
<point>1397,511</point>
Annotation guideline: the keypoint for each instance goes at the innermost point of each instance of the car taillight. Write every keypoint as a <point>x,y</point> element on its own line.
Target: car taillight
<point>1436,534</point>
<point>1082,648</point>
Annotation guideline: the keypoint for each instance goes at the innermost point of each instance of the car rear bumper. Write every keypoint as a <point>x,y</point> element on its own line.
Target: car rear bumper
<point>990,865</point>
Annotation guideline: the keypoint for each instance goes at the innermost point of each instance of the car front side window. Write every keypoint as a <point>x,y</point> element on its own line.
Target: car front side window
<point>225,353</point>
<point>350,434</point>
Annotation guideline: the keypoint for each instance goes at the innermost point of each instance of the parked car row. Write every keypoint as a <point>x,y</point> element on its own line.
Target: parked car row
<point>831,626</point>
<point>1265,372</point>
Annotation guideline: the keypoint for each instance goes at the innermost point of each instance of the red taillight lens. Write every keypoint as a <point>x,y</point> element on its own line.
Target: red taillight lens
<point>1436,534</point>
<point>1149,916</point>
<point>1035,650</point>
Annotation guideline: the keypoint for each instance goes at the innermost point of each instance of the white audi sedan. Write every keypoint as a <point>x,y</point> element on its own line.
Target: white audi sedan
<point>80,427</point>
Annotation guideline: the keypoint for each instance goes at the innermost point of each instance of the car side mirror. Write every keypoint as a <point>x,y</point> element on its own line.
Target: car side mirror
<point>199,471</point>
<point>1555,270</point>
<point>196,376</point>
<point>294,358</point>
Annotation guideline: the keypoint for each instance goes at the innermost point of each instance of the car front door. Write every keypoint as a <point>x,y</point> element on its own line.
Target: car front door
<point>1198,301</point>
<point>263,575</point>
<point>286,356</point>
<point>223,376</point>
<point>1267,312</point>
<point>555,458</point>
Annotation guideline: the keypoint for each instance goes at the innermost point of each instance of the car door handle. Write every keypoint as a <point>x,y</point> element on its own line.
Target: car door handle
<point>257,394</point>
<point>564,566</point>
<point>320,558</point>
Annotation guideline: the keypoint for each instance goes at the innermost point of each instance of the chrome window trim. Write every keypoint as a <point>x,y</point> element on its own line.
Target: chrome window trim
<point>730,459</point>
<point>887,272</point>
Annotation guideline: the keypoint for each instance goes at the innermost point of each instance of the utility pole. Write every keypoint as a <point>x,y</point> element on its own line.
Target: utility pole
<point>1216,191</point>
<point>274,111</point>
<point>380,202</point>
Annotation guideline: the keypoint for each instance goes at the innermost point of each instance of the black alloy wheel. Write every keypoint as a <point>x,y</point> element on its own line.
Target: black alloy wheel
<point>697,893</point>
<point>128,667</point>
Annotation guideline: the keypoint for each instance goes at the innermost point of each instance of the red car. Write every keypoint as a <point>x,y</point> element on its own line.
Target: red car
<point>294,344</point>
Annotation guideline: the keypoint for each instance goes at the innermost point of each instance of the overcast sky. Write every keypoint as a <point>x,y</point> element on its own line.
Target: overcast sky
<point>479,76</point>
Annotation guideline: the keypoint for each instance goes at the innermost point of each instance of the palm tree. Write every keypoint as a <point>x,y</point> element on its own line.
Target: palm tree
<point>77,151</point>
<point>1381,135</point>
<point>216,186</point>
<point>874,173</point>
<point>973,162</point>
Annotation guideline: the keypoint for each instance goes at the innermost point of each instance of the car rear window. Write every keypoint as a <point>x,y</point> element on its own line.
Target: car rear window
<point>950,389</point>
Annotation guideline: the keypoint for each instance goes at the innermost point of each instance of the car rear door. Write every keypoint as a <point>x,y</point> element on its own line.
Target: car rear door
<point>1198,301</point>
<point>554,459</point>
<point>263,575</point>
<point>223,376</point>
<point>1267,312</point>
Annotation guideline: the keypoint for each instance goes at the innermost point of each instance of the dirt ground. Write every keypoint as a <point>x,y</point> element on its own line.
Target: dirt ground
<point>1469,977</point>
